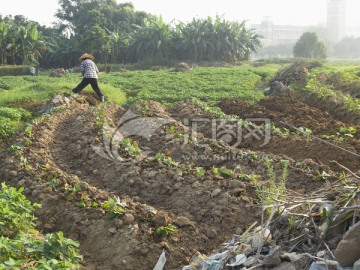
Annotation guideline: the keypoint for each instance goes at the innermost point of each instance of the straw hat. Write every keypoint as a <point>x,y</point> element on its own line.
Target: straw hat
<point>86,55</point>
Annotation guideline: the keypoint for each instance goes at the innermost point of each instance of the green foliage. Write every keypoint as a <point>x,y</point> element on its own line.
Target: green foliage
<point>4,85</point>
<point>304,129</point>
<point>200,171</point>
<point>12,71</point>
<point>170,162</point>
<point>15,211</point>
<point>309,46</point>
<point>292,226</point>
<point>322,92</point>
<point>348,47</point>
<point>15,114</point>
<point>276,188</point>
<point>21,244</point>
<point>222,171</point>
<point>131,147</point>
<point>348,130</point>
<point>8,127</point>
<point>252,177</point>
<point>206,84</point>
<point>167,230</point>
<point>328,93</point>
<point>10,120</point>
<point>114,207</point>
<point>157,60</point>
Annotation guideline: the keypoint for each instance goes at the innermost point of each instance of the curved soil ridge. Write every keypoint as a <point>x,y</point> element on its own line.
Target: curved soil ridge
<point>64,142</point>
<point>206,208</point>
<point>282,110</point>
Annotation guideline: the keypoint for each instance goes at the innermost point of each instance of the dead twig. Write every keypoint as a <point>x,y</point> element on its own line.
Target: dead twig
<point>264,228</point>
<point>328,249</point>
<point>295,245</point>
<point>346,169</point>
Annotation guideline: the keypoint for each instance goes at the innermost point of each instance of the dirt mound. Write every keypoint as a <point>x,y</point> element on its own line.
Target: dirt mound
<point>296,73</point>
<point>337,109</point>
<point>79,177</point>
<point>283,111</point>
<point>77,163</point>
<point>339,83</point>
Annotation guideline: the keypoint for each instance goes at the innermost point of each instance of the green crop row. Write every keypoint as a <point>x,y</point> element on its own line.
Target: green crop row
<point>11,119</point>
<point>209,84</point>
<point>21,246</point>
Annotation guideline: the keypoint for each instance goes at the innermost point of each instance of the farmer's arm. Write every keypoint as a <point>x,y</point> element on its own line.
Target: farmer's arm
<point>82,67</point>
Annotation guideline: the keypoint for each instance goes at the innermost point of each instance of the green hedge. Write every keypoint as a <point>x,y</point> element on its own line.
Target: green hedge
<point>14,70</point>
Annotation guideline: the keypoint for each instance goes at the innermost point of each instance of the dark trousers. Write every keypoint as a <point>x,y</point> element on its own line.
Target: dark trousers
<point>85,82</point>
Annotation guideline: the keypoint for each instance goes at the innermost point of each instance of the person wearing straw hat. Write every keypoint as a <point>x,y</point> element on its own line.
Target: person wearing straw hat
<point>90,73</point>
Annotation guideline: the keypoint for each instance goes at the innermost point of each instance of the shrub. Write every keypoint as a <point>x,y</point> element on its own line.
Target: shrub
<point>4,85</point>
<point>15,114</point>
<point>14,70</point>
<point>8,127</point>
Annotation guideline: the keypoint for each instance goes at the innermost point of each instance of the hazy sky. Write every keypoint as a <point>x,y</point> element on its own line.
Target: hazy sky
<point>299,12</point>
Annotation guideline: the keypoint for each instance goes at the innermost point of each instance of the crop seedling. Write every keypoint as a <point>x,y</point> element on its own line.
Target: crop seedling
<point>159,156</point>
<point>114,207</point>
<point>167,230</point>
<point>347,130</point>
<point>149,213</point>
<point>222,171</point>
<point>250,177</point>
<point>291,225</point>
<point>267,194</point>
<point>172,132</point>
<point>200,171</point>
<point>131,147</point>
<point>86,203</point>
<point>305,130</point>
<point>170,162</point>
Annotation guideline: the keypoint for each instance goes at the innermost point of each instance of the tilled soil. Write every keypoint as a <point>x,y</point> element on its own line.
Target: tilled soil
<point>282,111</point>
<point>207,209</point>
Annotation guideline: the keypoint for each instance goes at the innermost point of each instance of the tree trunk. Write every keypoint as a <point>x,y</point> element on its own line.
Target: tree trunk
<point>37,69</point>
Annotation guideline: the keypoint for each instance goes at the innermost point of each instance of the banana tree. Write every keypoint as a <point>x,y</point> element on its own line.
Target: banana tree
<point>3,39</point>
<point>13,45</point>
<point>154,38</point>
<point>195,39</point>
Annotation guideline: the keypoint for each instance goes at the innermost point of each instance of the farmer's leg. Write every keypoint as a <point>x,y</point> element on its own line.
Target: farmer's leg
<point>81,85</point>
<point>95,87</point>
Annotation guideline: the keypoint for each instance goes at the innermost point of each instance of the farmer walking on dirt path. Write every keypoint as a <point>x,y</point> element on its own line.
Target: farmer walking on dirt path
<point>90,73</point>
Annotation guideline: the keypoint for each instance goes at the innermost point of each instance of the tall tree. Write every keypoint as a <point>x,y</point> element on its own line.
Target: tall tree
<point>152,39</point>
<point>309,46</point>
<point>3,41</point>
<point>348,47</point>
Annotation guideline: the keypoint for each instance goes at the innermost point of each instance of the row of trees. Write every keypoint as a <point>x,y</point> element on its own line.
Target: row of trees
<point>116,33</point>
<point>314,44</point>
<point>19,43</point>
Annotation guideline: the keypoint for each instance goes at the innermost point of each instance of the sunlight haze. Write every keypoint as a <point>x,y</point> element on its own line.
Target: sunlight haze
<point>305,12</point>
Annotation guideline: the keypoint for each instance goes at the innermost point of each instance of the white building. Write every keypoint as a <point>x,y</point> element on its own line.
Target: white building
<point>336,19</point>
<point>284,34</point>
<point>278,34</point>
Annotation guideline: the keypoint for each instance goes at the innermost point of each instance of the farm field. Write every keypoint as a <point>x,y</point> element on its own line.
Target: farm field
<point>183,162</point>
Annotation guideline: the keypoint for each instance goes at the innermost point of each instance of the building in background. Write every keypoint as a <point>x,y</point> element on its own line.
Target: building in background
<point>274,35</point>
<point>278,34</point>
<point>336,19</point>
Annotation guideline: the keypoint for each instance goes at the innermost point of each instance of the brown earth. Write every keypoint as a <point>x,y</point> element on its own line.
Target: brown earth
<point>283,111</point>
<point>206,209</point>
